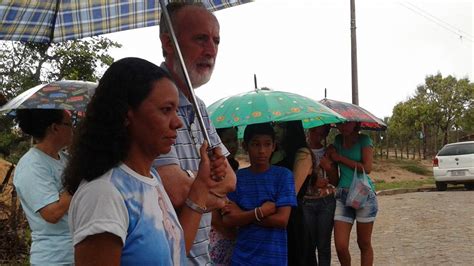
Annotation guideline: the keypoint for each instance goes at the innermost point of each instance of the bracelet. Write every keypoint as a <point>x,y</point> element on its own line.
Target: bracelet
<point>195,207</point>
<point>190,173</point>
<point>256,216</point>
<point>261,212</point>
<point>220,196</point>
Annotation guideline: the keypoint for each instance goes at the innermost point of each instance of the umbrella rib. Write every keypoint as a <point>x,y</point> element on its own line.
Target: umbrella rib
<point>55,17</point>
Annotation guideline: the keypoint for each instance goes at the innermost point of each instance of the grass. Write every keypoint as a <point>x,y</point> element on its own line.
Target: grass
<point>416,169</point>
<point>413,166</point>
<point>382,185</point>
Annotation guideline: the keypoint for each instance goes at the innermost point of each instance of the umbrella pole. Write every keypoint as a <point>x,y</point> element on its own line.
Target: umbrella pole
<point>325,145</point>
<point>187,80</point>
<point>255,81</point>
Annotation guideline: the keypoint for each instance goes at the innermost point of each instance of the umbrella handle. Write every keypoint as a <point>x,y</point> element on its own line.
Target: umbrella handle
<point>210,153</point>
<point>187,80</point>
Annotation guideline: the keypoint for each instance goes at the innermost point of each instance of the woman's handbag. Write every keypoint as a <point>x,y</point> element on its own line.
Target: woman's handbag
<point>359,190</point>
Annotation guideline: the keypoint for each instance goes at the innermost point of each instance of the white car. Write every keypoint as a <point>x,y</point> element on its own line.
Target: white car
<point>454,164</point>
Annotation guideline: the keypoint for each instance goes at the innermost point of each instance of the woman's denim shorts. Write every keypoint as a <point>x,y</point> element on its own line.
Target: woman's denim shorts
<point>347,214</point>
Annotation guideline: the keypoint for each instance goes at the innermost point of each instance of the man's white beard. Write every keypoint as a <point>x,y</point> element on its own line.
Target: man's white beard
<point>197,80</point>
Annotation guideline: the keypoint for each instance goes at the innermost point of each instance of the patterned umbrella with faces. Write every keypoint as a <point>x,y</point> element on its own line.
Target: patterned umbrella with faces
<point>353,112</point>
<point>73,95</point>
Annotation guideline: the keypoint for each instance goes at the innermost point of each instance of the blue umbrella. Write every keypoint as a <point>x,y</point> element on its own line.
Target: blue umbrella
<point>48,21</point>
<point>61,20</point>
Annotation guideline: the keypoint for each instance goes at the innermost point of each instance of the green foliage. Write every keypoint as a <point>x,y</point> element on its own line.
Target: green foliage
<point>467,117</point>
<point>81,64</point>
<point>449,99</point>
<point>439,107</point>
<point>25,65</point>
<point>403,116</point>
<point>8,139</point>
<point>17,151</point>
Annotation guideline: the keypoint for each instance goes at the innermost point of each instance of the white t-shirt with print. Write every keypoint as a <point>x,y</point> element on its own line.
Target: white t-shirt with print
<point>135,208</point>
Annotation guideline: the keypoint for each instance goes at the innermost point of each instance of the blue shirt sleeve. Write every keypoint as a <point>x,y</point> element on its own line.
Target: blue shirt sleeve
<point>286,189</point>
<point>38,186</point>
<point>233,196</point>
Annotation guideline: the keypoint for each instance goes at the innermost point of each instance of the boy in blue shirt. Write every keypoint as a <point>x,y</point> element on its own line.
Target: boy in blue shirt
<point>261,204</point>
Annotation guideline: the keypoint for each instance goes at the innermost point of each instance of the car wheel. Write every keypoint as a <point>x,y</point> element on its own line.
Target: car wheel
<point>441,186</point>
<point>469,186</point>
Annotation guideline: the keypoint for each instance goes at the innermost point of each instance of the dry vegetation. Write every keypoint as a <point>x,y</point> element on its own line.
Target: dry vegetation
<point>14,232</point>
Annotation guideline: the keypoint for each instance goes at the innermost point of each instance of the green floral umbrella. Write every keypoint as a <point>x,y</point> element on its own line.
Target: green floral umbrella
<point>263,105</point>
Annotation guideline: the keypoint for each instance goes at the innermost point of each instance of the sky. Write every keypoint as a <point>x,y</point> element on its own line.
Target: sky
<point>304,46</point>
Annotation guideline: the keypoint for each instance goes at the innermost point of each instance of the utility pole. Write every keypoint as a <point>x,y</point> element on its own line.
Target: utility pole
<point>355,87</point>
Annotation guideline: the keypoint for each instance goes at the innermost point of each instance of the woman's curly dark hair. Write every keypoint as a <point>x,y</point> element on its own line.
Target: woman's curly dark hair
<point>35,122</point>
<point>101,141</point>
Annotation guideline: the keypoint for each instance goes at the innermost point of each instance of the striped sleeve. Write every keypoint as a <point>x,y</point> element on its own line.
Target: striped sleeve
<point>286,195</point>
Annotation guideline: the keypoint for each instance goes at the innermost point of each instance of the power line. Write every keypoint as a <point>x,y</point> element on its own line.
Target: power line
<point>440,20</point>
<point>460,33</point>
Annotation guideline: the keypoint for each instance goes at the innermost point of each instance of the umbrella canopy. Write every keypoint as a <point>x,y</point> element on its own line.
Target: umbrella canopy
<point>60,20</point>
<point>353,112</point>
<point>66,94</point>
<point>262,105</point>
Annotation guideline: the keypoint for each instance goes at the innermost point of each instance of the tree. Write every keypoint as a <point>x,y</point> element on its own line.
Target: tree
<point>466,122</point>
<point>441,105</point>
<point>25,65</point>
<point>451,101</point>
<point>401,124</point>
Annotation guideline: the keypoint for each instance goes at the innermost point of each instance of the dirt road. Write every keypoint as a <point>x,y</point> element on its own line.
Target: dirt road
<point>423,228</point>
